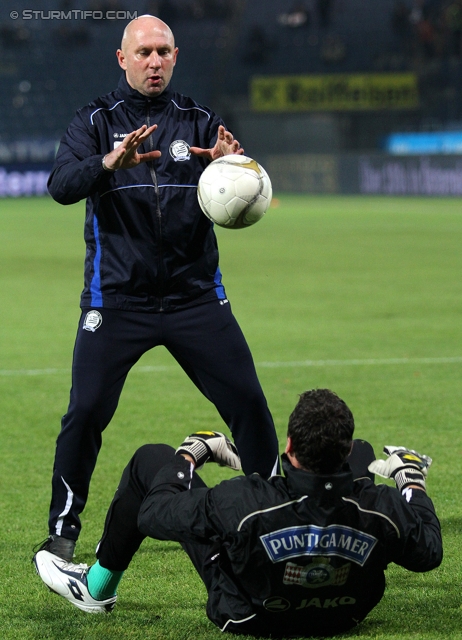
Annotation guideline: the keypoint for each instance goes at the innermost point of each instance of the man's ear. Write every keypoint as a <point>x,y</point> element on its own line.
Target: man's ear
<point>121,59</point>
<point>289,451</point>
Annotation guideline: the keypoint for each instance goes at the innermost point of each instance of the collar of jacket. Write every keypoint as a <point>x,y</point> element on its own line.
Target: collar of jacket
<point>320,488</point>
<point>140,104</point>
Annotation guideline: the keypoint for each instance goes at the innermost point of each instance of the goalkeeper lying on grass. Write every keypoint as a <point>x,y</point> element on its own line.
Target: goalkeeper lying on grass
<point>302,554</point>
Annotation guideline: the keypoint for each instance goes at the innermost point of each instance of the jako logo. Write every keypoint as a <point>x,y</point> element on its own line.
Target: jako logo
<point>327,603</point>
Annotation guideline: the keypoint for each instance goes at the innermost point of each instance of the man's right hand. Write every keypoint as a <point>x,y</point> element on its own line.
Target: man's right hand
<point>210,446</point>
<point>126,155</point>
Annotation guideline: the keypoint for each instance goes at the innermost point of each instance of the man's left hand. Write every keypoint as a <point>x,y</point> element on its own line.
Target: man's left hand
<point>406,467</point>
<point>224,146</point>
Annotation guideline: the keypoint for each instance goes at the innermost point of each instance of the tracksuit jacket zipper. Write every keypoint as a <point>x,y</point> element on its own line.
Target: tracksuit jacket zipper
<point>158,212</point>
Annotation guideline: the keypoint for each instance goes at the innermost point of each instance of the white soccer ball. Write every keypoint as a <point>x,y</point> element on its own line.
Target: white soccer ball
<point>234,191</point>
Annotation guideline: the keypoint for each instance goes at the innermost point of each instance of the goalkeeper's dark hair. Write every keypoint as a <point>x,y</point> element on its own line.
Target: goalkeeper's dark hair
<point>321,429</point>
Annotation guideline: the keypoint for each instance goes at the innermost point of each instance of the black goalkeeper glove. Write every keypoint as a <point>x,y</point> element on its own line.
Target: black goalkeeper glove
<point>405,466</point>
<point>211,446</point>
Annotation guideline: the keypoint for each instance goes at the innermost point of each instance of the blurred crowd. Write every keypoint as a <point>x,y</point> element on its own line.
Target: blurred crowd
<point>420,28</point>
<point>242,37</point>
<point>428,28</point>
<point>78,32</point>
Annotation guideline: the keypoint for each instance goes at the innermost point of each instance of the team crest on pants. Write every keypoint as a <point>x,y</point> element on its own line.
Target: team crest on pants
<point>92,321</point>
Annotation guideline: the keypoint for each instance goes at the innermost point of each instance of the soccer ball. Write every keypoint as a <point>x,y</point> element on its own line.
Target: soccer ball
<point>234,191</point>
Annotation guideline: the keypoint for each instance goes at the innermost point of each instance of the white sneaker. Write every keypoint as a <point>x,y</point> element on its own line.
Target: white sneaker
<point>70,581</point>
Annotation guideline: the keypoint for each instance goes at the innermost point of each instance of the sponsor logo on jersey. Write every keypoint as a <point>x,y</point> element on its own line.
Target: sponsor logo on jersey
<point>276,604</point>
<point>310,540</point>
<point>318,573</point>
<point>121,137</point>
<point>179,150</point>
<point>92,321</point>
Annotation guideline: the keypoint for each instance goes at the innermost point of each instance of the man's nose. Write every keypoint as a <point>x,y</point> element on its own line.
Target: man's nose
<point>155,61</point>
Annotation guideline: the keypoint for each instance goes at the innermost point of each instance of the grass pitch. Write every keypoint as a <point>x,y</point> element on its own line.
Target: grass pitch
<point>361,295</point>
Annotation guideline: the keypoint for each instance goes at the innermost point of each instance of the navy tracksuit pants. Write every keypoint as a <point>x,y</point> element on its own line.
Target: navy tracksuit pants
<point>206,341</point>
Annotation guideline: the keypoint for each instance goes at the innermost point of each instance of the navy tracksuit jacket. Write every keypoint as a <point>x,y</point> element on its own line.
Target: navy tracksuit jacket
<point>149,247</point>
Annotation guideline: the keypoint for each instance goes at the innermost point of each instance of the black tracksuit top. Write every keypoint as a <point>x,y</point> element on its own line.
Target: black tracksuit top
<point>149,246</point>
<point>300,554</point>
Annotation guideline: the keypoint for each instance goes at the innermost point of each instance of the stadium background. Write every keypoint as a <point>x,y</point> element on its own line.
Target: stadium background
<point>314,89</point>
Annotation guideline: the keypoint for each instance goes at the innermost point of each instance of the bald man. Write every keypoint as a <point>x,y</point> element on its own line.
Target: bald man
<point>151,268</point>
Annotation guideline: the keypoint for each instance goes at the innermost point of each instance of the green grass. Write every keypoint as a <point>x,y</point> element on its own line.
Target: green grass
<point>329,291</point>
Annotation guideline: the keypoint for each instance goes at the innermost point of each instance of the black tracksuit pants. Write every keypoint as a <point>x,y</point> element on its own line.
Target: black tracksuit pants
<point>206,341</point>
<point>121,538</point>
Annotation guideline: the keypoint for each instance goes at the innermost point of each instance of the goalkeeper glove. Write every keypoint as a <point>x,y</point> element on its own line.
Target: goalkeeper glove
<point>405,466</point>
<point>211,446</point>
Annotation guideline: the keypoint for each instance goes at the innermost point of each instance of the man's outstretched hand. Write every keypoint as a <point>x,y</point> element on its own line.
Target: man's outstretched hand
<point>126,155</point>
<point>224,146</point>
<point>210,446</point>
<point>407,467</point>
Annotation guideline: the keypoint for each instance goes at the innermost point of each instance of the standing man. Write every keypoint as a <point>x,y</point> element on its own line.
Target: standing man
<point>300,555</point>
<point>151,268</point>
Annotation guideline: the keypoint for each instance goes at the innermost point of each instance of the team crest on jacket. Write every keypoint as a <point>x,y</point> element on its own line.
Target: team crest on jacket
<point>318,573</point>
<point>179,150</point>
<point>92,321</point>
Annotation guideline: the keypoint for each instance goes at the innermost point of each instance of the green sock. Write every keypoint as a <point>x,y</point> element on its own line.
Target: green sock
<point>103,583</point>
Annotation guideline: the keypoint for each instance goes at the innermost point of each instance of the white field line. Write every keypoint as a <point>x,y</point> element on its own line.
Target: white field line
<point>367,361</point>
<point>263,365</point>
